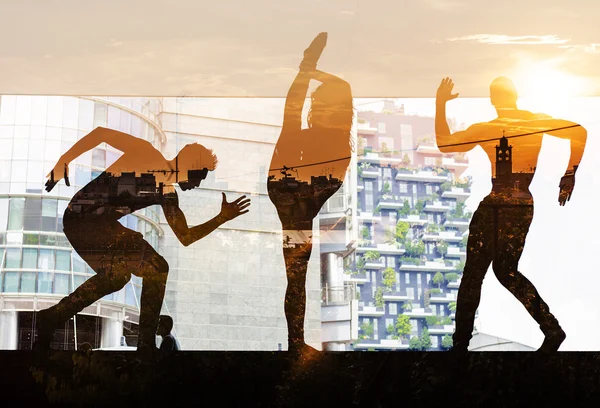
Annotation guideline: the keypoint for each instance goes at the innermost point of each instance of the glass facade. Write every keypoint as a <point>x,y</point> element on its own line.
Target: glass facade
<point>36,260</point>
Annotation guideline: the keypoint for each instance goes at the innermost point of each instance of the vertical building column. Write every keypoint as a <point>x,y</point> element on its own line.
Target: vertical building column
<point>9,330</point>
<point>112,331</point>
<point>334,278</point>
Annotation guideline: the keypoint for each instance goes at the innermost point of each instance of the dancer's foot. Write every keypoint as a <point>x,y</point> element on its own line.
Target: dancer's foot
<point>553,340</point>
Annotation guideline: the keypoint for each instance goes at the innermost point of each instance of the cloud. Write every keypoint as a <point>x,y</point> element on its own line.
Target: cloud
<point>347,12</point>
<point>497,39</point>
<point>591,48</point>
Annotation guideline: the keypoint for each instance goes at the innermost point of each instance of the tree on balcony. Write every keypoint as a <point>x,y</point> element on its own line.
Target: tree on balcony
<point>432,228</point>
<point>407,305</point>
<point>438,278</point>
<point>388,236</point>
<point>403,326</point>
<point>425,339</point>
<point>442,248</point>
<point>365,233</point>
<point>447,342</point>
<point>452,306</point>
<point>446,186</point>
<point>432,320</point>
<point>415,344</point>
<point>463,183</point>
<point>436,291</point>
<point>391,330</point>
<point>414,249</point>
<point>460,267</point>
<point>377,210</point>
<point>402,228</point>
<point>446,321</point>
<point>389,279</point>
<point>386,188</point>
<point>366,331</point>
<point>419,207</point>
<point>372,256</point>
<point>463,243</point>
<point>405,159</point>
<point>451,277</point>
<point>405,210</point>
<point>379,302</point>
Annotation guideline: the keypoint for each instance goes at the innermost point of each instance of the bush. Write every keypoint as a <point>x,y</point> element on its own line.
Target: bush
<point>414,249</point>
<point>431,320</point>
<point>379,302</point>
<point>389,278</point>
<point>442,248</point>
<point>438,278</point>
<point>452,306</point>
<point>402,228</point>
<point>372,255</point>
<point>446,321</point>
<point>447,342</point>
<point>367,330</point>
<point>425,339</point>
<point>403,326</point>
<point>436,291</point>
<point>415,344</point>
<point>405,210</point>
<point>365,233</point>
<point>451,277</point>
<point>386,188</point>
<point>446,186</point>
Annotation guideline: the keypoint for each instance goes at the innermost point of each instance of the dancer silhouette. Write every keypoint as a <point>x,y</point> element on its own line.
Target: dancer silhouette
<point>308,167</point>
<point>141,177</point>
<point>499,226</point>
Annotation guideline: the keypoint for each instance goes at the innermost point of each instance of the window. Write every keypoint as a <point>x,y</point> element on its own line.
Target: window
<point>407,278</point>
<point>30,258</point>
<point>392,217</point>
<point>429,161</point>
<point>403,187</point>
<point>46,259</point>
<point>393,308</point>
<point>15,215</point>
<point>410,292</point>
<point>428,189</point>
<point>387,173</point>
<point>397,282</point>
<point>11,282</point>
<point>381,128</point>
<point>100,114</point>
<point>376,329</point>
<point>418,279</point>
<point>49,210</point>
<point>13,258</point>
<point>434,341</point>
<point>28,282</point>
<point>391,262</point>
<point>415,326</point>
<point>62,283</point>
<point>99,158</point>
<point>389,322</point>
<point>44,282</point>
<point>63,261</point>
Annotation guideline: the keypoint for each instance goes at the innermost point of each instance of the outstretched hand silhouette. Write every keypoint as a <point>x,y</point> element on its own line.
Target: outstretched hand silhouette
<point>444,92</point>
<point>229,211</point>
<point>313,53</point>
<point>51,182</point>
<point>565,194</point>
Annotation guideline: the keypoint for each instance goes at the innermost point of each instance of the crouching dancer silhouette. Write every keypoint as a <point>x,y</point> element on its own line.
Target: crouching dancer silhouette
<point>141,177</point>
<point>318,157</point>
<point>500,225</point>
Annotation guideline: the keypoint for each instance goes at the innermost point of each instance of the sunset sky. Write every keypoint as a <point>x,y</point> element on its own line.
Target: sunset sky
<point>253,48</point>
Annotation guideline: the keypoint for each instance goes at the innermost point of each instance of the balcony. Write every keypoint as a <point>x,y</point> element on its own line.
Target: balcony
<point>378,264</point>
<point>441,329</point>
<point>414,219</point>
<point>389,203</point>
<point>370,174</point>
<point>449,236</point>
<point>429,148</point>
<point>383,344</point>
<point>460,194</point>
<point>436,206</point>
<point>454,285</point>
<point>420,175</point>
<point>418,312</point>
<point>358,278</point>
<point>368,217</point>
<point>370,311</point>
<point>387,249</point>
<point>442,298</point>
<point>365,129</point>
<point>460,223</point>
<point>395,296</point>
<point>339,313</point>
<point>455,163</point>
<point>338,295</point>
<point>426,267</point>
<point>360,188</point>
<point>456,252</point>
<point>331,218</point>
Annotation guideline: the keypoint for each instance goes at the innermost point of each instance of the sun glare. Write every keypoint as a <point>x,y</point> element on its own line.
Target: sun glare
<point>546,84</point>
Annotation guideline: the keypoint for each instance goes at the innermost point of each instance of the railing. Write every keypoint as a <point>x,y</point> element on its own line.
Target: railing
<point>336,295</point>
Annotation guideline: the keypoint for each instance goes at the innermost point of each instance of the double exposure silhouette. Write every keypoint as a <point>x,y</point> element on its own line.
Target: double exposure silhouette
<point>499,227</point>
<point>141,177</point>
<point>308,167</point>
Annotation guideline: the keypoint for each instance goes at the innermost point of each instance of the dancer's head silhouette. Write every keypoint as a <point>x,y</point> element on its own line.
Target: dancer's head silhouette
<point>503,93</point>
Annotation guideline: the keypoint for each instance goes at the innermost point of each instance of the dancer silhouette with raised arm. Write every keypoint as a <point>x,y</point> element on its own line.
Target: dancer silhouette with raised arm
<point>500,225</point>
<point>308,167</point>
<point>141,177</point>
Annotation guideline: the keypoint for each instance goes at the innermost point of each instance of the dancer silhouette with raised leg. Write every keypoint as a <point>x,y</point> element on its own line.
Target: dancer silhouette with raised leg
<point>308,167</point>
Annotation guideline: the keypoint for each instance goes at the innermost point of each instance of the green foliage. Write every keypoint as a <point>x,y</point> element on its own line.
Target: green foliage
<point>438,278</point>
<point>372,255</point>
<point>452,306</point>
<point>411,261</point>
<point>405,210</point>
<point>446,321</point>
<point>446,186</point>
<point>403,326</point>
<point>379,302</point>
<point>365,233</point>
<point>463,183</point>
<point>360,264</point>
<point>366,330</point>
<point>425,339</point>
<point>447,342</point>
<point>414,249</point>
<point>377,210</point>
<point>387,188</point>
<point>459,211</point>
<point>442,248</point>
<point>405,159</point>
<point>402,228</point>
<point>432,228</point>
<point>463,243</point>
<point>419,206</point>
<point>415,344</point>
<point>407,305</point>
<point>370,349</point>
<point>389,278</point>
<point>460,267</point>
<point>431,320</point>
<point>436,291</point>
<point>451,277</point>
